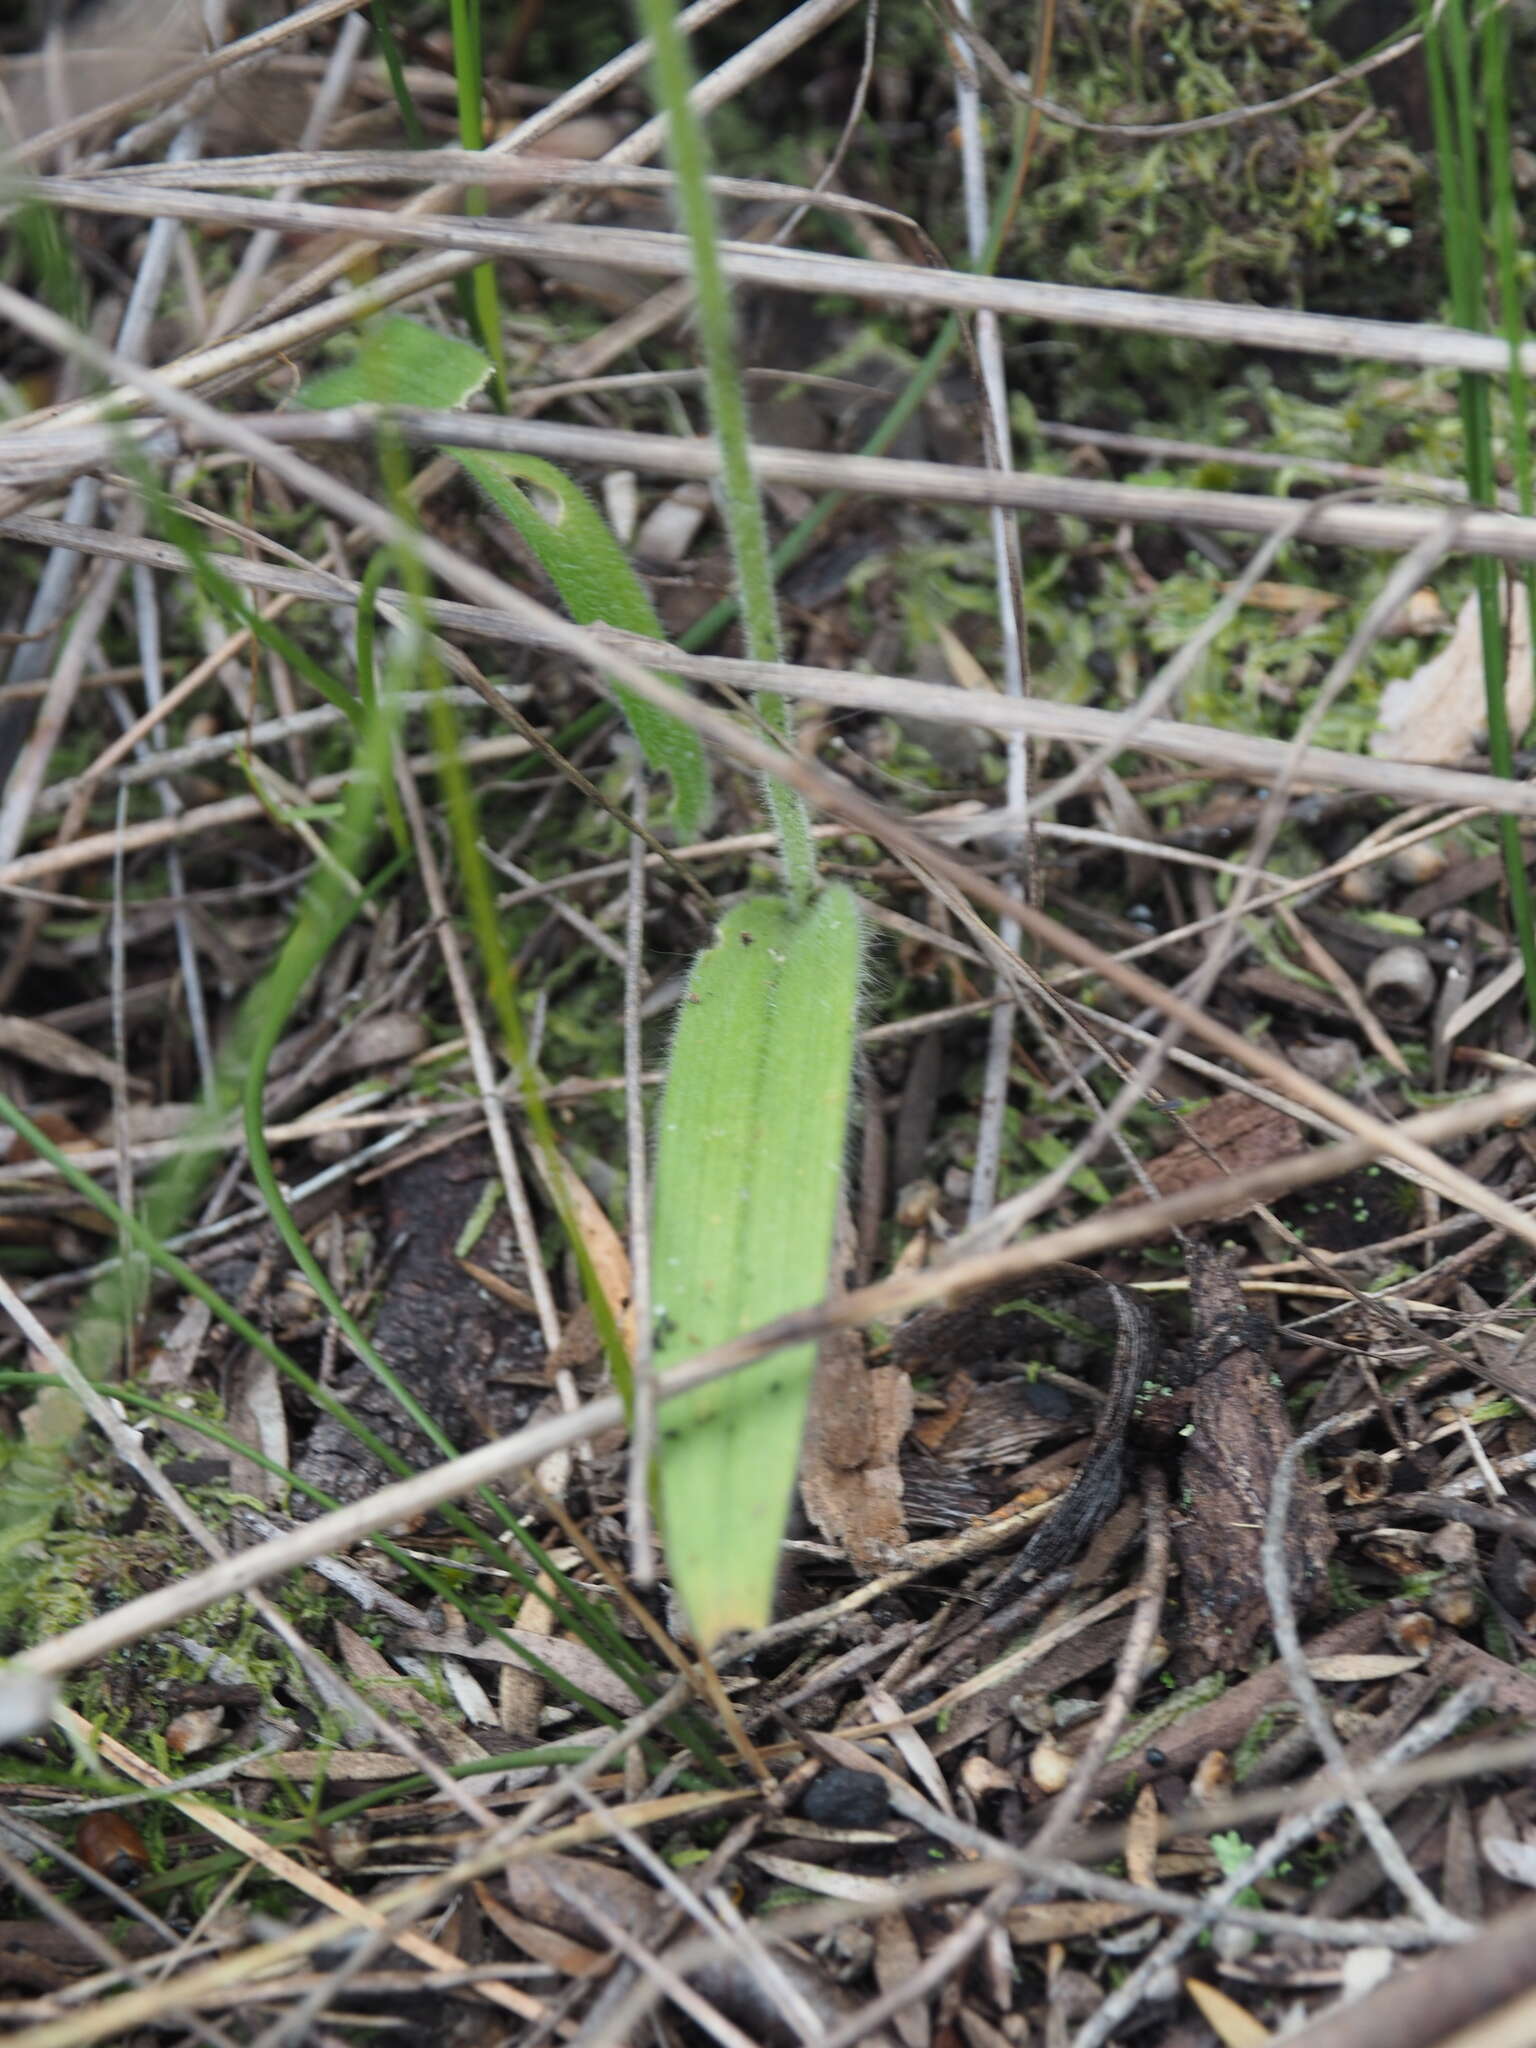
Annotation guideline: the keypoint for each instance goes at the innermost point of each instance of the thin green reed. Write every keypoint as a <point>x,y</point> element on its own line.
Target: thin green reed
<point>672,75</point>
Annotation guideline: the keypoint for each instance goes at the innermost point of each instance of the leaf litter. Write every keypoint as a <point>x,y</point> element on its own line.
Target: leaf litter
<point>548,1840</point>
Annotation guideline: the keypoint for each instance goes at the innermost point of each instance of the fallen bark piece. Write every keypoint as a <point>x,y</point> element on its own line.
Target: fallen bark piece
<point>850,1472</point>
<point>1229,1136</point>
<point>1239,1435</point>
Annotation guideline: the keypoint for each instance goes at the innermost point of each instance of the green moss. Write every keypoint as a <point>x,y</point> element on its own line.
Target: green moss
<point>1290,209</point>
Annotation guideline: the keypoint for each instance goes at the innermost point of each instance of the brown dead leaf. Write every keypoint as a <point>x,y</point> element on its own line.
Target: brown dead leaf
<point>1289,597</point>
<point>827,1882</point>
<point>604,1246</point>
<point>40,1045</point>
<point>1505,1848</point>
<point>1440,712</point>
<point>572,1660</point>
<point>1361,1668</point>
<point>344,1766</point>
<point>963,666</point>
<point>542,1888</point>
<point>544,1944</point>
<point>1226,1475</point>
<point>1234,2025</point>
<point>909,1745</point>
<point>520,1694</point>
<point>1141,1838</point>
<point>1066,1921</point>
<point>392,1693</point>
<point>257,1416</point>
<point>1229,1136</point>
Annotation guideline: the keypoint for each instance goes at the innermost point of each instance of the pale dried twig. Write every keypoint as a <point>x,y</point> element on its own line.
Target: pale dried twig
<point>654,253</point>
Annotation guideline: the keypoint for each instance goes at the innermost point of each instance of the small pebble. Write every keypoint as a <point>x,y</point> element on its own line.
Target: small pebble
<point>1416,865</point>
<point>1049,1400</point>
<point>843,1798</point>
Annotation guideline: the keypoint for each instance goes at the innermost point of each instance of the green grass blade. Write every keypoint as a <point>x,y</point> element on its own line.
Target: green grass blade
<point>1505,222</point>
<point>231,602</point>
<point>468,71</point>
<point>401,362</point>
<point>394,65</point>
<point>749,1166</point>
<point>1453,105</point>
<point>41,233</point>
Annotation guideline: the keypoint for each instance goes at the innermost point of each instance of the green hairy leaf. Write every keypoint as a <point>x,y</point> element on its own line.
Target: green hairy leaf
<point>748,1173</point>
<point>581,557</point>
<point>401,362</point>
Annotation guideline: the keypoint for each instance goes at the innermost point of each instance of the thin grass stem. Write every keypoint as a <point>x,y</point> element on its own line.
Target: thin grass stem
<point>672,77</point>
